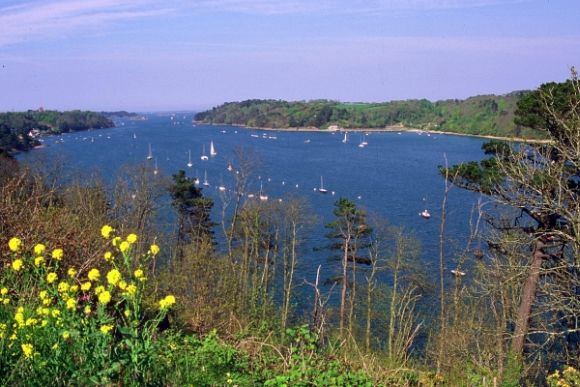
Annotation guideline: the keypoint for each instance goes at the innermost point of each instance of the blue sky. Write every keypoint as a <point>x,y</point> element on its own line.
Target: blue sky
<point>147,55</point>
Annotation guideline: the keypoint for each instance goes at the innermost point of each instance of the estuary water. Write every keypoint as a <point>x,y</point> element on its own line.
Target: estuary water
<point>395,176</point>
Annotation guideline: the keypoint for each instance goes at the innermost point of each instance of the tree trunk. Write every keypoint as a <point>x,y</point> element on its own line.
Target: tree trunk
<point>528,296</point>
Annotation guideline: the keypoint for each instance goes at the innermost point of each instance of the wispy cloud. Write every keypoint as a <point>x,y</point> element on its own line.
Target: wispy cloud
<point>33,20</point>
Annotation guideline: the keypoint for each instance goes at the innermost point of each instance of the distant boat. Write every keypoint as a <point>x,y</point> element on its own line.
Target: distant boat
<point>205,182</point>
<point>189,163</point>
<point>203,155</point>
<point>263,197</point>
<point>322,189</point>
<point>156,170</point>
<point>363,143</point>
<point>307,141</point>
<point>345,139</point>
<point>425,214</point>
<point>230,168</point>
<point>212,151</point>
<point>458,273</point>
<point>150,154</point>
<point>134,135</point>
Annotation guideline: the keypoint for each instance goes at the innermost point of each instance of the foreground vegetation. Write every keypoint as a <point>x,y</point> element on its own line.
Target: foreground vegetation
<point>93,290</point>
<point>481,115</point>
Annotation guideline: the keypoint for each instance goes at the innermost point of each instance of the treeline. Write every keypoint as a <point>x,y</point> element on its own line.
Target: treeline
<point>480,115</point>
<point>18,130</point>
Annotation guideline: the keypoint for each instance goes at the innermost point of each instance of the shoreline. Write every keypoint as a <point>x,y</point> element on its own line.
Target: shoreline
<point>393,128</point>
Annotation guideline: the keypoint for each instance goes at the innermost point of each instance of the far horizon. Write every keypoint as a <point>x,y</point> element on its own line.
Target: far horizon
<point>146,56</point>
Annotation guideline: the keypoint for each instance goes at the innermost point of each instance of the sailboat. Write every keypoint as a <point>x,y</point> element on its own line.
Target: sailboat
<point>212,151</point>
<point>156,170</point>
<point>134,136</point>
<point>196,179</point>
<point>189,163</point>
<point>203,155</point>
<point>263,197</point>
<point>230,168</point>
<point>150,154</point>
<point>205,182</point>
<point>345,139</point>
<point>425,214</point>
<point>221,187</point>
<point>322,189</point>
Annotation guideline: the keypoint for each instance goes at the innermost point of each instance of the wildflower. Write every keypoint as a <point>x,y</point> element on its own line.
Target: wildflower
<point>57,254</point>
<point>43,323</point>
<point>51,277</point>
<point>108,256</point>
<point>132,238</point>
<point>106,231</point>
<point>55,346</point>
<point>124,246</point>
<point>66,335</point>
<point>127,313</point>
<point>154,249</point>
<point>17,264</point>
<point>99,289</point>
<point>72,272</point>
<point>116,241</point>
<point>113,277</point>
<point>105,297</point>
<point>131,289</point>
<point>27,350</point>
<point>94,275</point>
<point>85,286</point>
<point>167,302</point>
<point>43,294</point>
<point>87,309</point>
<point>31,322</point>
<point>19,316</point>
<point>139,274</point>
<point>106,329</point>
<point>71,304</point>
<point>63,287</point>
<point>14,244</point>
<point>4,291</point>
<point>39,249</point>
<point>55,313</point>
<point>73,288</point>
<point>122,285</point>
<point>38,261</point>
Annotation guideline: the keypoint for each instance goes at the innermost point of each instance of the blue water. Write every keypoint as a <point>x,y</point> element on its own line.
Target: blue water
<point>394,177</point>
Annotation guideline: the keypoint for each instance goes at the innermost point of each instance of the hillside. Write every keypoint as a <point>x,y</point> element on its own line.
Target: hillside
<point>480,115</point>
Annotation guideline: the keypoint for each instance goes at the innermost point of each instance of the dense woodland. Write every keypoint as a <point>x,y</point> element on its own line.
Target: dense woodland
<point>481,115</point>
<point>221,303</point>
<point>15,127</point>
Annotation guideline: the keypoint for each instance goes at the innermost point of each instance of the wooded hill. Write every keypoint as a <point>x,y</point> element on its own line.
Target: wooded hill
<point>480,115</point>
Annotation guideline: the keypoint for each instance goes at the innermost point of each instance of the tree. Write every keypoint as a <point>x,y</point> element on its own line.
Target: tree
<point>541,181</point>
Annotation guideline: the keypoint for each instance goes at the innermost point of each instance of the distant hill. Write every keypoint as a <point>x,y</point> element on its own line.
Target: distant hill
<point>481,115</point>
<point>19,131</point>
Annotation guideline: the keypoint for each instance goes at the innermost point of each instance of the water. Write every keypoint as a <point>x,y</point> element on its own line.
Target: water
<point>395,176</point>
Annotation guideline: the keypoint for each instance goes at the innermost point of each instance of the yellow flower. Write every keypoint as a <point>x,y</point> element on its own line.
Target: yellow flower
<point>106,231</point>
<point>17,264</point>
<point>38,261</point>
<point>106,329</point>
<point>14,244</point>
<point>132,238</point>
<point>116,240</point>
<point>127,313</point>
<point>57,254</point>
<point>105,297</point>
<point>73,288</point>
<point>65,335</point>
<point>99,289</point>
<point>27,350</point>
<point>4,291</point>
<point>94,275</point>
<point>113,277</point>
<point>63,287</point>
<point>124,246</point>
<point>87,309</point>
<point>72,272</point>
<point>55,313</point>
<point>138,274</point>
<point>71,304</point>
<point>131,289</point>
<point>51,277</point>
<point>167,302</point>
<point>122,285</point>
<point>43,294</point>
<point>86,286</point>
<point>154,249</point>
<point>39,249</point>
<point>108,256</point>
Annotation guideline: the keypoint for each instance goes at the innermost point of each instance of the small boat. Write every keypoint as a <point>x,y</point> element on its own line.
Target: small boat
<point>134,136</point>
<point>321,189</point>
<point>212,151</point>
<point>150,154</point>
<point>189,163</point>
<point>263,197</point>
<point>345,139</point>
<point>307,141</point>
<point>205,182</point>
<point>230,167</point>
<point>425,214</point>
<point>458,273</point>
<point>250,195</point>
<point>156,170</point>
<point>203,155</point>
<point>222,188</point>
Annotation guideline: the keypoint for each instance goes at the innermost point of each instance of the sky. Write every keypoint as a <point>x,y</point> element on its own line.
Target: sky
<point>145,55</point>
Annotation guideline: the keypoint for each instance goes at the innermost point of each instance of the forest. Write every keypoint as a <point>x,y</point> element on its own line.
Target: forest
<point>94,292</point>
<point>481,115</point>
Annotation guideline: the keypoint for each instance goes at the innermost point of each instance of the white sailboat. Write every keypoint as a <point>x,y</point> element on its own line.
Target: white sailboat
<point>156,170</point>
<point>150,154</point>
<point>205,182</point>
<point>345,139</point>
<point>212,151</point>
<point>425,214</point>
<point>189,163</point>
<point>196,179</point>
<point>203,155</point>
<point>322,189</point>
<point>263,197</point>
